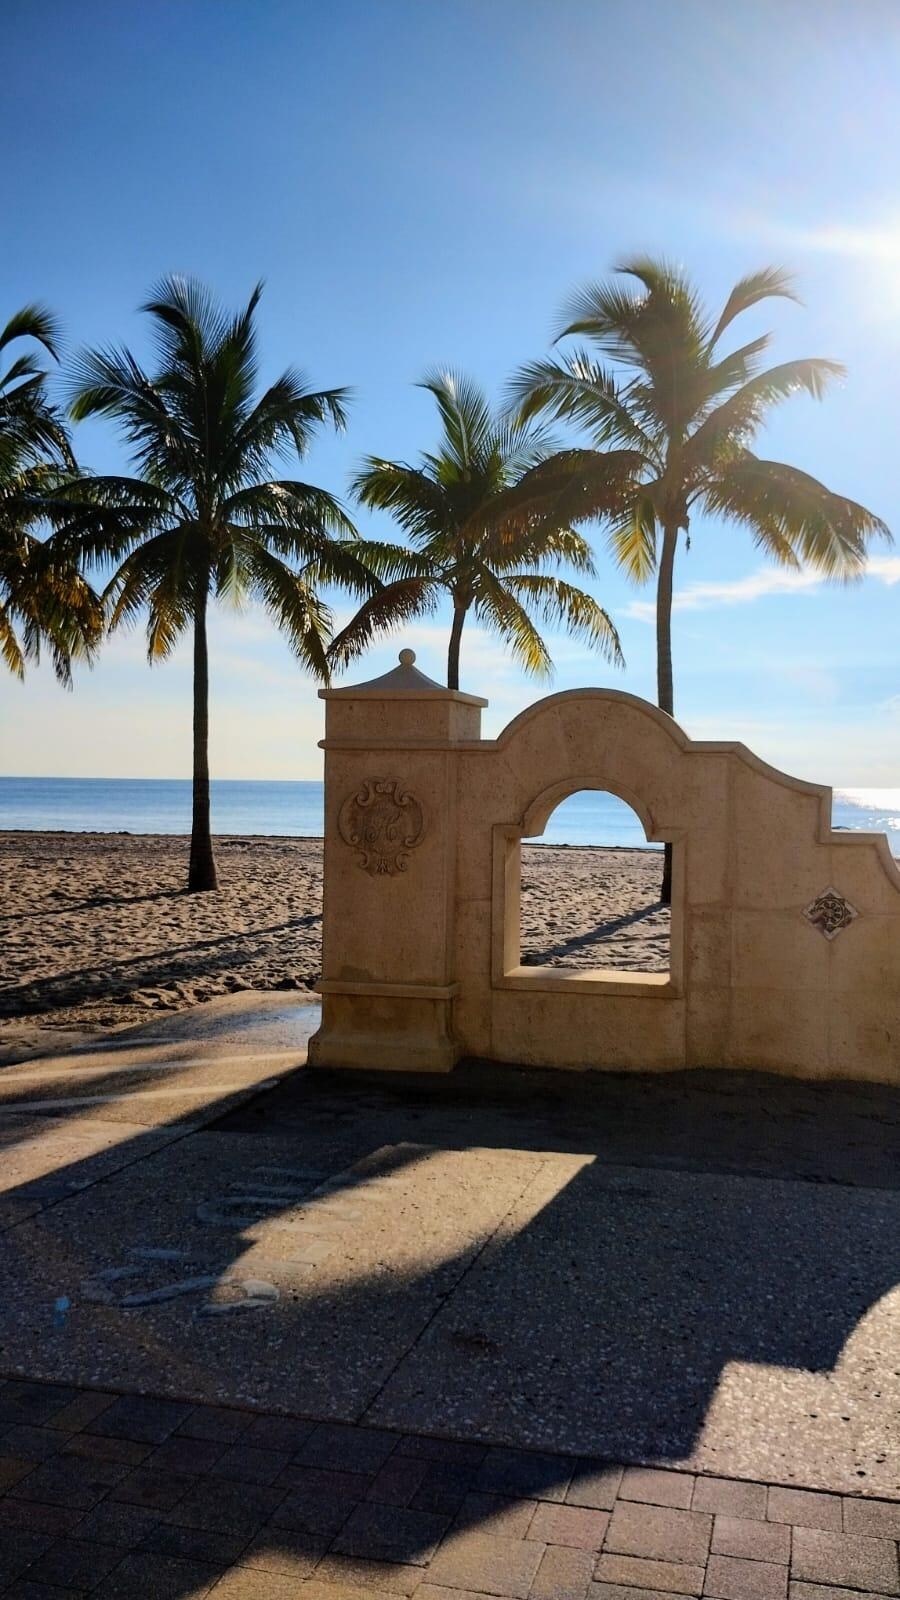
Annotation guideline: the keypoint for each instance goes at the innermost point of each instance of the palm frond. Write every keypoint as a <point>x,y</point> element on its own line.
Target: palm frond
<point>306,515</point>
<point>296,610</point>
<point>786,509</point>
<point>99,519</point>
<point>636,326</point>
<point>284,419</point>
<point>109,381</point>
<point>767,284</point>
<point>579,389</point>
<point>465,414</point>
<point>662,334</point>
<point>188,323</point>
<point>33,322</point>
<point>158,574</point>
<point>544,546</point>
<point>342,564</point>
<point>496,605</point>
<point>26,372</point>
<point>609,314</point>
<point>170,599</point>
<point>738,419</point>
<point>414,499</point>
<point>394,561</point>
<point>667,286</point>
<point>632,538</point>
<point>162,437</point>
<point>10,649</point>
<point>48,597</point>
<point>572,486</point>
<point>32,430</point>
<point>560,604</point>
<point>733,370</point>
<point>46,603</point>
<point>517,445</point>
<point>393,605</point>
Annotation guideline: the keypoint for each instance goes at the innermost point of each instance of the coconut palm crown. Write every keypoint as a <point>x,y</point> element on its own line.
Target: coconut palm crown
<point>204,517</point>
<point>687,413</point>
<point>44,600</point>
<point>478,536</point>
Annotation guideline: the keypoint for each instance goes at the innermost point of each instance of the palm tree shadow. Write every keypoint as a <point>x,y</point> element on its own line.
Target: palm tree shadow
<point>198,958</point>
<point>603,931</point>
<point>98,902</point>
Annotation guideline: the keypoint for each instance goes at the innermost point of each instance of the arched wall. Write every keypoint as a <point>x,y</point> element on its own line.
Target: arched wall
<point>507,971</point>
<point>754,979</point>
<point>543,806</point>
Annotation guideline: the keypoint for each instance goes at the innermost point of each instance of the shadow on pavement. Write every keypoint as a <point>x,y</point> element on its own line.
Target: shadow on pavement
<point>605,1266</point>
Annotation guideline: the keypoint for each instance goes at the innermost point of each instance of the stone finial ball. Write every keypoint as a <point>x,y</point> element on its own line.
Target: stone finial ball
<point>407,657</point>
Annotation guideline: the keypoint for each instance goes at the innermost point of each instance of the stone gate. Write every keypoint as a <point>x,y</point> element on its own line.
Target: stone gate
<point>785,934</point>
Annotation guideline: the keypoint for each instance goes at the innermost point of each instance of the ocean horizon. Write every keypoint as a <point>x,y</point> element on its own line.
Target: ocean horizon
<point>295,809</point>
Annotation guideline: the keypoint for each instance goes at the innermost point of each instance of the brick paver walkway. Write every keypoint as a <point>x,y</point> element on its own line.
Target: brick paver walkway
<point>124,1497</point>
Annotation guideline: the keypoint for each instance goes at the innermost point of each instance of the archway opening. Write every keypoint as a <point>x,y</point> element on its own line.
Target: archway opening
<point>590,890</point>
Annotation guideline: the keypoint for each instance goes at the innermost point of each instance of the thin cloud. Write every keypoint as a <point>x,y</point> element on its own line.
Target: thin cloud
<point>885,568</point>
<point>877,240</point>
<point>757,586</point>
<point>869,244</point>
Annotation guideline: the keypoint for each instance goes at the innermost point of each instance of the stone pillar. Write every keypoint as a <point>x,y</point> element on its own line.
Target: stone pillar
<point>388,979</point>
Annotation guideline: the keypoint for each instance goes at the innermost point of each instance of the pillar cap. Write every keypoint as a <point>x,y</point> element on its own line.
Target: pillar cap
<point>402,682</point>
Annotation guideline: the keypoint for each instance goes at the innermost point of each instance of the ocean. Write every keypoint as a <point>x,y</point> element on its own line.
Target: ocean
<point>151,805</point>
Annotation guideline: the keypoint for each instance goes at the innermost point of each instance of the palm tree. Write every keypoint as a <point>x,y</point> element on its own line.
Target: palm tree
<point>202,517</point>
<point>44,600</point>
<point>688,414</point>
<point>478,536</point>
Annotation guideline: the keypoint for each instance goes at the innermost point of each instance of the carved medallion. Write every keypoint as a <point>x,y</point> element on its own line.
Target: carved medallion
<point>383,821</point>
<point>830,913</point>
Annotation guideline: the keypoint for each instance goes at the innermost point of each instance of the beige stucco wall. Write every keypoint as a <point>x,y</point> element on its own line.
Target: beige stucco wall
<point>421,963</point>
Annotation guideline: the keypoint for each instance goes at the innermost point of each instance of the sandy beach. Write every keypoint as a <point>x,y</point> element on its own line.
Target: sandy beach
<point>96,932</point>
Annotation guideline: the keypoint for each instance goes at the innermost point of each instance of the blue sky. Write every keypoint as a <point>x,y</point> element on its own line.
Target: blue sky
<point>426,183</point>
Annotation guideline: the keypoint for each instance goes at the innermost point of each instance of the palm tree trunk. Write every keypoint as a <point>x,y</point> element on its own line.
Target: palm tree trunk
<point>664,684</point>
<point>202,868</point>
<point>459,617</point>
<point>665,692</point>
